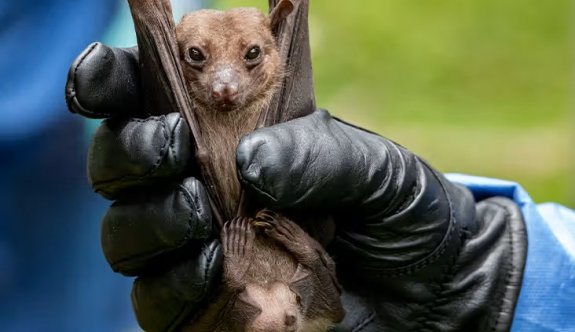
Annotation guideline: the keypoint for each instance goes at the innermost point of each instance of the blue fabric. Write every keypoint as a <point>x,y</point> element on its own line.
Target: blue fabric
<point>53,276</point>
<point>547,298</point>
<point>38,41</point>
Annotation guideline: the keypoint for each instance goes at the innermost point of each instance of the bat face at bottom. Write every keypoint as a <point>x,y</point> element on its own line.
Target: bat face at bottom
<point>276,279</point>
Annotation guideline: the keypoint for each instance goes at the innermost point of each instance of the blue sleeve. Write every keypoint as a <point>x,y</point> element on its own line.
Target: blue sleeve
<point>547,298</point>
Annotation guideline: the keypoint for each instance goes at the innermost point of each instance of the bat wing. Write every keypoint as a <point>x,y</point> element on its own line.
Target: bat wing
<point>296,97</point>
<point>164,84</point>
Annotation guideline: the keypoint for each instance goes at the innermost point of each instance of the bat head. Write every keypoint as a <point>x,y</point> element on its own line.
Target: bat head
<point>230,59</point>
<point>268,308</point>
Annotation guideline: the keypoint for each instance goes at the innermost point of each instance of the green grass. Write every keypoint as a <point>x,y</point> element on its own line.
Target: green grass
<point>477,86</point>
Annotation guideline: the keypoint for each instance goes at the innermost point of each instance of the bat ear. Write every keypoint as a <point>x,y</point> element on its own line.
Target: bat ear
<point>248,304</point>
<point>244,310</point>
<point>301,273</point>
<point>280,13</point>
<point>301,285</point>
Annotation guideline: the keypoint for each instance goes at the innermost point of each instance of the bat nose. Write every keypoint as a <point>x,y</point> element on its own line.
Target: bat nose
<point>225,92</point>
<point>290,319</point>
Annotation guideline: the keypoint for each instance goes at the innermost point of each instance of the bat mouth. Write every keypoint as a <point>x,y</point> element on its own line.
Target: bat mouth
<point>227,106</point>
<point>242,102</point>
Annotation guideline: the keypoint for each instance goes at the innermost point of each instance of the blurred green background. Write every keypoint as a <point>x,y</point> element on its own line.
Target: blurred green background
<point>477,86</point>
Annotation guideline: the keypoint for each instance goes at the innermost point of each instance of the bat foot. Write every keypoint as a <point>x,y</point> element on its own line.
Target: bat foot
<point>265,219</point>
<point>288,234</point>
<point>237,245</point>
<point>237,237</point>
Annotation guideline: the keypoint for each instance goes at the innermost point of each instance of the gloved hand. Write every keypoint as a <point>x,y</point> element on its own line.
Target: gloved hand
<point>159,227</point>
<point>413,251</point>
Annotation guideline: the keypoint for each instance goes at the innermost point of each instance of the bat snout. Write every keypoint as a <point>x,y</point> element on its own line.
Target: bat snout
<point>225,86</point>
<point>225,93</point>
<point>290,320</point>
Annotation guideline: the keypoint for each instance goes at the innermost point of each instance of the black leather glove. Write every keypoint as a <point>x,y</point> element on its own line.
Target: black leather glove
<point>414,252</point>
<point>159,227</point>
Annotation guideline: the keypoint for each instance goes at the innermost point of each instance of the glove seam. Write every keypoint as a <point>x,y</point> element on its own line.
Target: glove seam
<point>179,244</point>
<point>149,255</point>
<point>426,320</point>
<point>437,252</point>
<point>173,142</point>
<point>508,265</point>
<point>361,325</point>
<point>186,311</point>
<point>165,149</point>
<point>72,97</point>
<point>207,269</point>
<point>149,173</point>
<point>190,200</point>
<point>255,188</point>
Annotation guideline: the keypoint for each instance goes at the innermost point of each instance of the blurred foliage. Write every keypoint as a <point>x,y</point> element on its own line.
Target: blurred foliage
<point>478,86</point>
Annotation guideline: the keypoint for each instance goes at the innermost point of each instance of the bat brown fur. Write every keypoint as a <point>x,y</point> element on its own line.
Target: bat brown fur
<point>224,39</point>
<point>276,277</point>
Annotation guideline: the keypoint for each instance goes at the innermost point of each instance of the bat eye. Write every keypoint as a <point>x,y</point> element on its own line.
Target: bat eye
<point>196,55</point>
<point>298,299</point>
<point>196,58</point>
<point>253,55</point>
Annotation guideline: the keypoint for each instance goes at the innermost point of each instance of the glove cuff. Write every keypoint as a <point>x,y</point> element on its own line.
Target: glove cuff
<point>473,284</point>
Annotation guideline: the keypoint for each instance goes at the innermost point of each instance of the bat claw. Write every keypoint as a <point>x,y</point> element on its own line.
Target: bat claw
<point>267,216</point>
<point>261,224</point>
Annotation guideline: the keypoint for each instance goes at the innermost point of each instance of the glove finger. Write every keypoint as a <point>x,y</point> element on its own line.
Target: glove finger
<point>142,232</point>
<point>296,164</point>
<point>104,82</point>
<point>133,153</point>
<point>164,302</point>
